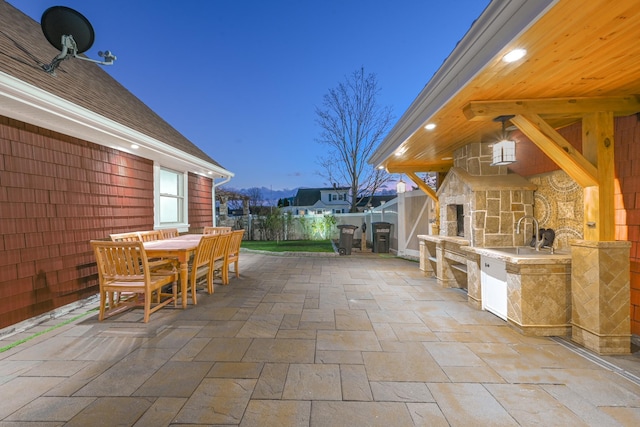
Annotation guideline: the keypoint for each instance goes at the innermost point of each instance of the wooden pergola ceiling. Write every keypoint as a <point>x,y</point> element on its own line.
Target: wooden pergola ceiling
<point>583,57</point>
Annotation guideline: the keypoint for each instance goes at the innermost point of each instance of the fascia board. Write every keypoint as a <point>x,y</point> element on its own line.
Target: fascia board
<point>22,101</point>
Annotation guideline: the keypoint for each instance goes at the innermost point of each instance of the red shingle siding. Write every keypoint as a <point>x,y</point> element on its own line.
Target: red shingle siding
<point>56,194</point>
<point>627,159</point>
<point>536,161</point>
<point>200,202</point>
<point>627,138</point>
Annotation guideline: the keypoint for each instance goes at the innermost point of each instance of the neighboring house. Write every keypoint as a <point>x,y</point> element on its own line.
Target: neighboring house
<point>80,158</point>
<point>324,201</point>
<point>374,202</point>
<point>319,201</point>
<point>573,106</point>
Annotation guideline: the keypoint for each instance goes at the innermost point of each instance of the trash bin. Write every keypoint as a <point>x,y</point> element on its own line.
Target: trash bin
<point>346,239</point>
<point>381,236</point>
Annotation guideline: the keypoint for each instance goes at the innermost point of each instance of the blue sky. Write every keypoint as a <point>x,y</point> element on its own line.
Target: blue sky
<point>242,79</point>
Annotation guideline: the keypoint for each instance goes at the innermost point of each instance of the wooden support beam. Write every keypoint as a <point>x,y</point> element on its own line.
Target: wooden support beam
<point>599,204</point>
<point>557,149</point>
<point>422,186</point>
<point>429,192</point>
<point>576,107</point>
<point>419,167</point>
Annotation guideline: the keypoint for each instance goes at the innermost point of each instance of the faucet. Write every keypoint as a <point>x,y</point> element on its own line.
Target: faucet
<point>539,241</point>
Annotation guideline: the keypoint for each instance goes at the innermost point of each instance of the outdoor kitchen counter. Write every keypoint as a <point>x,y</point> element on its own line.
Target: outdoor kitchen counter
<point>526,255</point>
<point>530,289</point>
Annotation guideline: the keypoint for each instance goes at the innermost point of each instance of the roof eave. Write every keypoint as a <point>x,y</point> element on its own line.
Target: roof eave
<point>498,25</point>
<point>22,101</point>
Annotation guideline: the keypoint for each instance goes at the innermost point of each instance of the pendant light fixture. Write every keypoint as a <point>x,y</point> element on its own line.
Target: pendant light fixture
<point>504,151</point>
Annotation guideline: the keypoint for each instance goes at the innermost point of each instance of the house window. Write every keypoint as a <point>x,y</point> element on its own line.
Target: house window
<point>340,197</point>
<point>171,202</point>
<point>333,196</point>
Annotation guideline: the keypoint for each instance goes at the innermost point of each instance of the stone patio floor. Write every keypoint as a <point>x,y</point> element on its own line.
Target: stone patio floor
<point>360,340</point>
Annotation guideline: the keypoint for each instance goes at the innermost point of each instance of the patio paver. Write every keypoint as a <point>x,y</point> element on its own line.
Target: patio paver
<point>320,341</point>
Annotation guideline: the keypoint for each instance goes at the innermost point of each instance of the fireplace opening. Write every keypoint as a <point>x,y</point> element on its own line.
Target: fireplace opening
<point>460,220</point>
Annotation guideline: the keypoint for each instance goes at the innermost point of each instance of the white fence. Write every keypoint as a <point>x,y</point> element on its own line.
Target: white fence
<point>410,214</point>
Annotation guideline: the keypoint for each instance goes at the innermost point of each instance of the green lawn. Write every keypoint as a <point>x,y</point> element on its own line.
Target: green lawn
<point>289,245</point>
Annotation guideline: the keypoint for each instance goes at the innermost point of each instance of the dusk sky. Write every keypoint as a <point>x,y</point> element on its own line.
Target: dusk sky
<point>242,79</point>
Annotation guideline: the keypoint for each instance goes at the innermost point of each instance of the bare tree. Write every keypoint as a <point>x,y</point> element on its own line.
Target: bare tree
<point>255,198</point>
<point>352,125</point>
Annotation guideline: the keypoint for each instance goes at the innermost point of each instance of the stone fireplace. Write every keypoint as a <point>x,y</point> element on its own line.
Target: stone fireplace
<point>482,203</point>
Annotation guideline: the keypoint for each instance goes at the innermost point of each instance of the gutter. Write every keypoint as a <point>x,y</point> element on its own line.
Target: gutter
<point>224,181</point>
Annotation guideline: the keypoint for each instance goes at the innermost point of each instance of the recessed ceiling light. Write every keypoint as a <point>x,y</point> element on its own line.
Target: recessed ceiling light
<point>400,151</point>
<point>135,146</point>
<point>430,126</point>
<point>514,55</point>
<point>447,158</point>
<point>381,167</point>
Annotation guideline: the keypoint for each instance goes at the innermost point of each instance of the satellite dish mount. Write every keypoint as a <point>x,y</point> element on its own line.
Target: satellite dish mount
<point>70,33</point>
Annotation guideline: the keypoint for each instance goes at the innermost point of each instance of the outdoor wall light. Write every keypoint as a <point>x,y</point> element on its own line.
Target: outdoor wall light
<point>504,151</point>
<point>401,187</point>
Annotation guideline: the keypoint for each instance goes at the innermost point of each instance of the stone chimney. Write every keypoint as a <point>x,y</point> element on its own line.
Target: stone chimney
<point>482,203</point>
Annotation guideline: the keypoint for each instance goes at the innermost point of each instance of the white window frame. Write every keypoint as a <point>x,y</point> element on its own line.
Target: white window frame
<point>182,225</point>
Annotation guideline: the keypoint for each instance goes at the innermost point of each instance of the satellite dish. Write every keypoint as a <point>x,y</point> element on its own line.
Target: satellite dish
<point>71,33</point>
<point>58,21</point>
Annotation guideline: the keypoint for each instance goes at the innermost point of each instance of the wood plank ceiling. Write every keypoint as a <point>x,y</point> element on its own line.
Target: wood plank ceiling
<point>578,49</point>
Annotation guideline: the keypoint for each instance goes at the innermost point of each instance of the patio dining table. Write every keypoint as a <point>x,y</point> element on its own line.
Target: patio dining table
<point>180,248</point>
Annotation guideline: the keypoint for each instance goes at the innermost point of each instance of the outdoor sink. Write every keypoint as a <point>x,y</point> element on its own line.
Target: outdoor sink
<point>527,250</point>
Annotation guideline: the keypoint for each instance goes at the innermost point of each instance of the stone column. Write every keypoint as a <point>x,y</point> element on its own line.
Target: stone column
<point>224,208</point>
<point>600,296</point>
<point>425,263</point>
<point>474,285</point>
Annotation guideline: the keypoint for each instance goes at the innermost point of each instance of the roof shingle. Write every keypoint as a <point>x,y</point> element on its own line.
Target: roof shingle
<point>23,51</point>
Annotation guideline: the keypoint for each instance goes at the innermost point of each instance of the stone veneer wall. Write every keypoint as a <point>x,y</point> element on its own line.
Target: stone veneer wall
<point>476,159</point>
<point>491,206</point>
<point>558,205</point>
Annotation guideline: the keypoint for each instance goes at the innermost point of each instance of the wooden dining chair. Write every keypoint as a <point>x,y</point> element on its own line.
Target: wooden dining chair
<point>125,237</point>
<point>218,264</point>
<point>150,236</point>
<point>200,267</point>
<point>169,233</point>
<point>233,252</point>
<point>216,230</point>
<point>123,269</point>
<point>156,264</point>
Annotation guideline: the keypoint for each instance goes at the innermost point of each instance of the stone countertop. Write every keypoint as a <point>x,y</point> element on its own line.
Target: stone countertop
<point>437,239</point>
<point>530,257</point>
